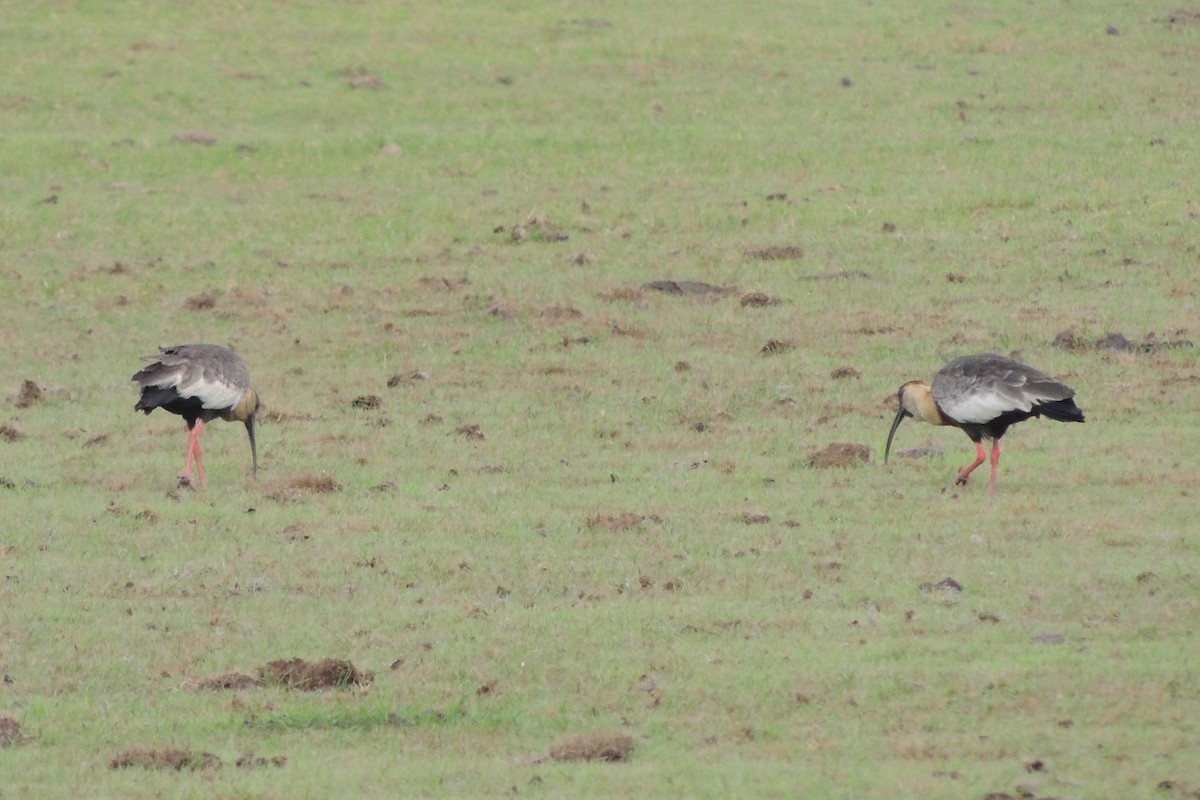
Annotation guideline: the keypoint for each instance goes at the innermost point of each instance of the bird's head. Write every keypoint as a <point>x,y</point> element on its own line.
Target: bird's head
<point>915,400</point>
<point>246,411</point>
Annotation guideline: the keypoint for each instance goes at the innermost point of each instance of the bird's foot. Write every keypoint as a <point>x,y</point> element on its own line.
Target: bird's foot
<point>961,480</point>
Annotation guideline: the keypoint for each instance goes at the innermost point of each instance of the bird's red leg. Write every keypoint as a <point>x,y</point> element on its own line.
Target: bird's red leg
<point>995,464</point>
<point>966,471</point>
<point>193,453</point>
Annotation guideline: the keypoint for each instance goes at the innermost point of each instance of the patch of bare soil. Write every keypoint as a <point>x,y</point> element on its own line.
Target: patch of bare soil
<point>594,747</point>
<point>10,732</point>
<point>755,517</point>
<point>840,455</point>
<point>841,275</point>
<point>844,372</point>
<point>98,439</point>
<point>1119,342</point>
<point>944,585</point>
<point>687,287</point>
<point>230,681</point>
<point>296,673</point>
<point>614,523</point>
<point>305,484</point>
<point>10,434</point>
<point>624,294</point>
<point>29,394</point>
<point>367,402</point>
<point>774,347</point>
<point>201,302</point>
<point>195,137</point>
<point>759,300</point>
<point>787,252</point>
<point>560,313</point>
<point>251,761</point>
<point>177,760</point>
<point>534,229</point>
<point>472,431</point>
<point>505,311</point>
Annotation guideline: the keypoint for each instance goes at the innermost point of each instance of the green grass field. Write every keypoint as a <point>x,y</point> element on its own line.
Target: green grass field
<point>582,508</point>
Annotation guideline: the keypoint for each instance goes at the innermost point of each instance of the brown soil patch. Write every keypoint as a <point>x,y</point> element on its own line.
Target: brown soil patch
<point>841,275</point>
<point>944,585</point>
<point>841,455</point>
<point>755,518</point>
<point>10,732</point>
<point>472,431</point>
<point>166,759</point>
<point>1119,342</point>
<point>195,137</point>
<point>29,394</point>
<point>201,302</point>
<point>625,294</point>
<point>559,313</point>
<point>535,229</point>
<point>98,439</point>
<point>775,347</point>
<point>842,373</point>
<point>249,761</point>
<point>405,379</point>
<point>594,747</point>
<point>789,252</point>
<point>614,523</point>
<point>367,401</point>
<point>686,287</point>
<point>296,673</point>
<point>310,484</point>
<point>235,681</point>
<point>10,434</point>
<point>759,300</point>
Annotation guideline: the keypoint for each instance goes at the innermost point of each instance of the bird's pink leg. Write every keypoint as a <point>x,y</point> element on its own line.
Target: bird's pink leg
<point>193,453</point>
<point>966,471</point>
<point>995,465</point>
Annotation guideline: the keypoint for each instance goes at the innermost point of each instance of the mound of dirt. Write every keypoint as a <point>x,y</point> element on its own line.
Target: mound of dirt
<point>166,759</point>
<point>30,394</point>
<point>296,673</point>
<point>1118,342</point>
<point>249,760</point>
<point>10,732</point>
<point>594,747</point>
<point>841,455</point>
<point>235,681</point>
<point>686,287</point>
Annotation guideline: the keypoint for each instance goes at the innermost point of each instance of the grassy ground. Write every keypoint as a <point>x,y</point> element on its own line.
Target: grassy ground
<point>454,208</point>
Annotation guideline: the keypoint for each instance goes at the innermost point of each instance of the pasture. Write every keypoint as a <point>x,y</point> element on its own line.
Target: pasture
<point>561,518</point>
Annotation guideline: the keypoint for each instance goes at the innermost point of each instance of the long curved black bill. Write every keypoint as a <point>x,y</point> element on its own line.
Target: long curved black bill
<point>900,415</point>
<point>253,446</point>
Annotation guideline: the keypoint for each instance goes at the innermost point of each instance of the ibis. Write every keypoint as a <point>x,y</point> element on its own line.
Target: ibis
<point>199,382</point>
<point>984,395</point>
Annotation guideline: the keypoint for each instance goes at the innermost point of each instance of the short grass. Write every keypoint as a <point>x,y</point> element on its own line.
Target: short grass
<point>636,544</point>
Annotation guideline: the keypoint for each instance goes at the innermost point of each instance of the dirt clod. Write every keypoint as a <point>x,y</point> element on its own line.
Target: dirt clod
<point>367,401</point>
<point>594,747</point>
<point>614,523</point>
<point>776,346</point>
<point>686,287</point>
<point>787,252</point>
<point>759,300</point>
<point>755,517</point>
<point>249,760</point>
<point>844,372</point>
<point>472,431</point>
<point>308,676</point>
<point>10,434</point>
<point>230,681</point>
<point>30,394</point>
<point>166,759</point>
<point>201,302</point>
<point>944,585</point>
<point>10,731</point>
<point>840,455</point>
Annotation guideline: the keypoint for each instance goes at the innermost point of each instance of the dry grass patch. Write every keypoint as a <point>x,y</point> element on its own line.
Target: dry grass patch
<point>594,747</point>
<point>10,732</point>
<point>177,760</point>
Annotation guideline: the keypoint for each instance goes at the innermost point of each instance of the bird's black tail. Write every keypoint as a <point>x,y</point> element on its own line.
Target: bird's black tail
<point>155,397</point>
<point>1060,410</point>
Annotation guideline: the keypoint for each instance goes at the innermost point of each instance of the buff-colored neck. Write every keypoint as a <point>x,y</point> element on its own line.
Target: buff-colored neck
<point>244,410</point>
<point>917,399</point>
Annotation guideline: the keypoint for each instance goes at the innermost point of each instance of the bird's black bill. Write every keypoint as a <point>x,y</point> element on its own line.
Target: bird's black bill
<point>900,415</point>
<point>253,446</point>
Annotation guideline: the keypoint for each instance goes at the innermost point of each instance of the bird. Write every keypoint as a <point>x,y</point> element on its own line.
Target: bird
<point>984,395</point>
<point>199,382</point>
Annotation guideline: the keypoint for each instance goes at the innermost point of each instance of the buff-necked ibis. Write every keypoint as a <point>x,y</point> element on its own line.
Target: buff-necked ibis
<point>199,382</point>
<point>984,395</point>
